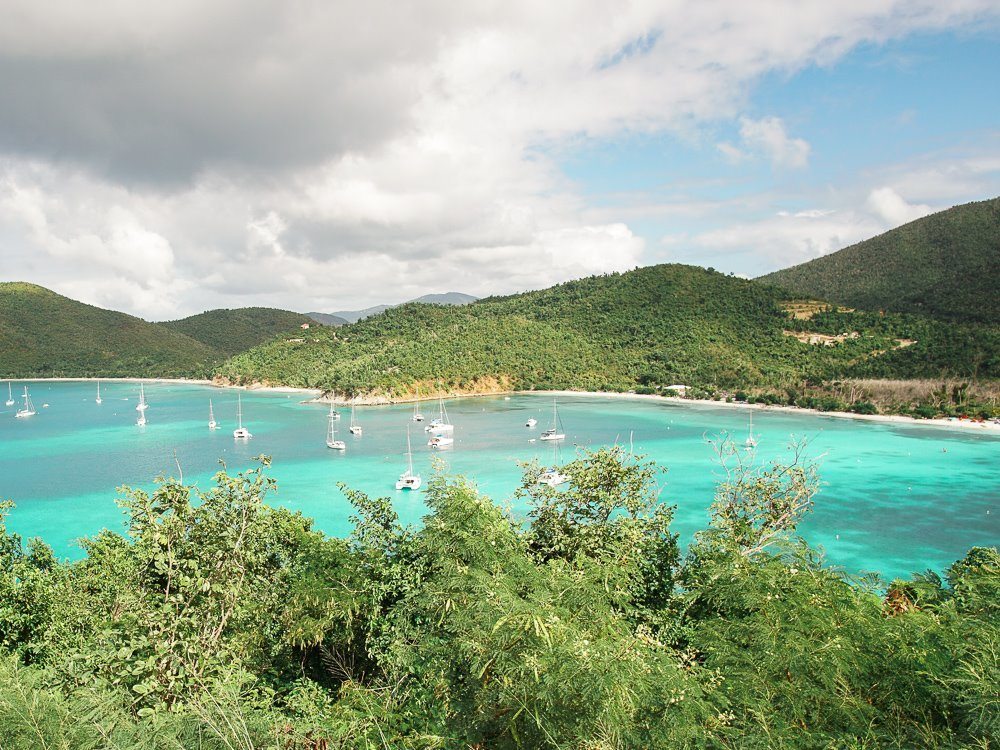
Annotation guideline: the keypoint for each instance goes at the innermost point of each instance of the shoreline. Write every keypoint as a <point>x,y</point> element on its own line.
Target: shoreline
<point>175,381</point>
<point>891,418</point>
<point>320,398</point>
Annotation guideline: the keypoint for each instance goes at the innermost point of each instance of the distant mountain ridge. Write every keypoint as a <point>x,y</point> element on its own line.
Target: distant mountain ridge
<point>327,319</point>
<point>945,266</point>
<point>353,316</point>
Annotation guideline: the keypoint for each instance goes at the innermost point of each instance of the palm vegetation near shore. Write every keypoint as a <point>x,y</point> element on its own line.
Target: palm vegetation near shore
<point>220,622</point>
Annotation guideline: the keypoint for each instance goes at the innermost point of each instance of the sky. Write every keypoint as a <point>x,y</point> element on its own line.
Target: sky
<point>165,159</point>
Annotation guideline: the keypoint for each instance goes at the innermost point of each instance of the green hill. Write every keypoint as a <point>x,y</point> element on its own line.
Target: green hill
<point>44,334</point>
<point>945,265</point>
<point>327,319</point>
<point>233,331</point>
<point>652,327</point>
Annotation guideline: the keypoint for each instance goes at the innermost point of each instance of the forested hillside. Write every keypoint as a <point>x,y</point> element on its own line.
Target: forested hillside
<point>44,334</point>
<point>219,622</point>
<point>232,331</point>
<point>353,316</point>
<point>647,328</point>
<point>327,319</point>
<point>945,265</point>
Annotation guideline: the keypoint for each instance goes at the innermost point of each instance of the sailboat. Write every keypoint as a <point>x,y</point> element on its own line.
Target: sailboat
<point>553,477</point>
<point>440,441</point>
<point>408,480</point>
<point>355,427</point>
<point>331,432</point>
<point>98,400</point>
<point>141,407</point>
<point>10,395</point>
<point>28,410</point>
<point>241,432</point>
<point>553,432</point>
<point>417,416</point>
<point>334,414</point>
<point>751,441</point>
<point>440,423</point>
<point>212,424</point>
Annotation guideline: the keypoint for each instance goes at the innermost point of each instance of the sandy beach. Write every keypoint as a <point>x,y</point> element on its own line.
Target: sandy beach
<point>896,418</point>
<point>178,381</point>
<point>318,396</point>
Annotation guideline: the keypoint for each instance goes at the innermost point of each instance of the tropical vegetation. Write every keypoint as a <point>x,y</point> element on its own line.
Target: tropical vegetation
<point>44,334</point>
<point>644,330</point>
<point>232,331</point>
<point>221,622</point>
<point>944,266</point>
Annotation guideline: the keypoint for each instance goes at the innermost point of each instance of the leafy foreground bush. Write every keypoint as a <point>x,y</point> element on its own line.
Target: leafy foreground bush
<point>220,622</point>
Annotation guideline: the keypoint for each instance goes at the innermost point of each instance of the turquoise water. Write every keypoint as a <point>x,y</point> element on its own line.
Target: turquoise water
<point>895,498</point>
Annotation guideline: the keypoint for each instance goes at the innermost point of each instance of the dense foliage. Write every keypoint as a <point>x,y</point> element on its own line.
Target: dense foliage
<point>220,622</point>
<point>43,334</point>
<point>234,331</point>
<point>648,328</point>
<point>944,265</point>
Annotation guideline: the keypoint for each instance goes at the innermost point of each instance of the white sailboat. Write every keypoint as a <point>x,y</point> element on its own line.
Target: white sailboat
<point>10,395</point>
<point>334,414</point>
<point>553,432</point>
<point>408,480</point>
<point>141,407</point>
<point>417,415</point>
<point>28,410</point>
<point>331,432</point>
<point>440,441</point>
<point>440,423</point>
<point>98,400</point>
<point>241,432</point>
<point>355,427</point>
<point>212,424</point>
<point>553,477</point>
<point>751,441</point>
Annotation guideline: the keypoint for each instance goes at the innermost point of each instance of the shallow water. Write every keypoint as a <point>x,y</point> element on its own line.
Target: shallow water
<point>895,498</point>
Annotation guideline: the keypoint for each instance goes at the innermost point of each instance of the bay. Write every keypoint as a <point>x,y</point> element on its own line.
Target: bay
<point>896,498</point>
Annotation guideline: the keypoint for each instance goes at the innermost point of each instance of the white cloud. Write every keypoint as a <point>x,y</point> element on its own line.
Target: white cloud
<point>730,152</point>
<point>323,156</point>
<point>768,136</point>
<point>786,238</point>
<point>745,242</point>
<point>893,209</point>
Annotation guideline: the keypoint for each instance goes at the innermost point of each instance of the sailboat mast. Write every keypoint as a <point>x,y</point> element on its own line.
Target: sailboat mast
<point>239,410</point>
<point>409,452</point>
